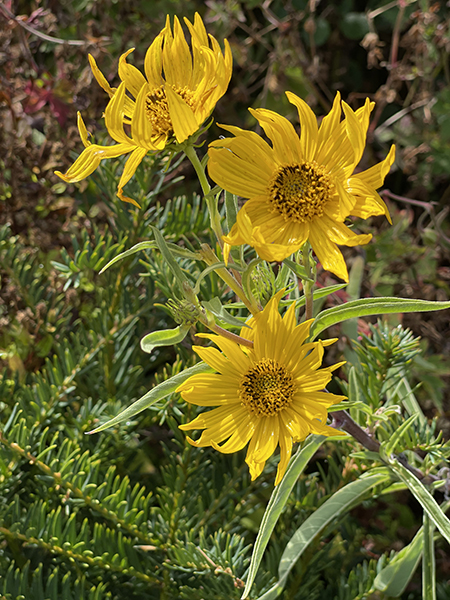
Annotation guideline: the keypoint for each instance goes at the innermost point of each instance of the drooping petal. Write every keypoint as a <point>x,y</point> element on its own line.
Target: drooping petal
<point>129,170</point>
<point>101,79</point>
<point>90,159</point>
<point>114,117</point>
<point>131,76</point>
<point>240,438</point>
<point>327,252</point>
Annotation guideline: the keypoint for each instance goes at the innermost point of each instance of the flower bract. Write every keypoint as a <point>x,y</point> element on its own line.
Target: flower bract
<point>269,395</point>
<point>179,91</point>
<point>302,187</point>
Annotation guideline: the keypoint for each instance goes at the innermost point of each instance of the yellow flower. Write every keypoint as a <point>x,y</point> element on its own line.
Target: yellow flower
<point>302,188</point>
<point>267,395</point>
<point>179,92</point>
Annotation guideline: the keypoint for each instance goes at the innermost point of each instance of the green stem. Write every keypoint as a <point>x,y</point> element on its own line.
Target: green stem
<point>210,258</point>
<point>231,336</point>
<point>206,188</point>
<point>308,286</point>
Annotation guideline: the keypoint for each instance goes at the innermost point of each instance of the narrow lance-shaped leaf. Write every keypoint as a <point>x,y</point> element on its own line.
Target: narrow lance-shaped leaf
<point>393,579</point>
<point>371,306</point>
<point>210,269</point>
<point>336,506</point>
<point>277,502</point>
<point>152,396</point>
<point>168,257</point>
<point>423,496</point>
<point>215,307</point>
<point>164,337</point>
<point>133,250</point>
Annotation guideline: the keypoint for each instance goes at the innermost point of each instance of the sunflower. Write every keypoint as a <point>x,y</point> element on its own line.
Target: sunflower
<point>179,92</point>
<point>267,395</point>
<point>302,187</point>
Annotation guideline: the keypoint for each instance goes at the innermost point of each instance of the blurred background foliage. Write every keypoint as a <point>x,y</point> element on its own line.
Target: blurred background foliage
<point>134,512</point>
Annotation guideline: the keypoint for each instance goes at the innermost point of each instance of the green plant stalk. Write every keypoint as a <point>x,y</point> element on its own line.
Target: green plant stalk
<point>210,258</point>
<point>308,286</point>
<point>231,336</point>
<point>428,560</point>
<point>206,189</point>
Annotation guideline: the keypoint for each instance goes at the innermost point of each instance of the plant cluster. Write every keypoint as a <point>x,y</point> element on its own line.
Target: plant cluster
<point>104,495</point>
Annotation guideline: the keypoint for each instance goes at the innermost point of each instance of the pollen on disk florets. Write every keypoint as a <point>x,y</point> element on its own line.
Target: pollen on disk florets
<point>157,108</point>
<point>267,388</point>
<point>299,192</point>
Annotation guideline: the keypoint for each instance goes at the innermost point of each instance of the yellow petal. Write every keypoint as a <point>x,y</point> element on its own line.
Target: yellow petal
<point>285,141</point>
<point>327,252</point>
<point>240,437</point>
<point>131,76</point>
<point>341,234</point>
<point>89,160</point>
<point>83,131</point>
<point>285,452</point>
<point>182,116</point>
<point>128,171</point>
<point>231,168</point>
<point>141,128</point>
<point>114,117</point>
<point>153,62</point>
<point>101,79</point>
<point>355,133</point>
<point>308,124</point>
<point>329,126</point>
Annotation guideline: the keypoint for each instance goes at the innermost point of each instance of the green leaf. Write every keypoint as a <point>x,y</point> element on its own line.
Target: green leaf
<point>334,508</point>
<point>133,250</point>
<point>168,256</point>
<point>371,306</point>
<point>246,277</point>
<point>277,502</point>
<point>390,445</point>
<point>231,208</point>
<point>320,293</point>
<point>210,269</point>
<point>164,337</point>
<point>183,252</point>
<point>394,578</point>
<point>152,396</point>
<point>299,270</point>
<point>428,560</point>
<point>215,307</point>
<point>423,496</point>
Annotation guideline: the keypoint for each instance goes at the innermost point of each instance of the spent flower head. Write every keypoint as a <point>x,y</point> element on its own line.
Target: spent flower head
<point>179,91</point>
<point>302,187</point>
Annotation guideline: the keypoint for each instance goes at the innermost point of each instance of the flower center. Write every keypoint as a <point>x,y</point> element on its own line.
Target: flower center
<point>266,388</point>
<point>300,191</point>
<point>157,108</point>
